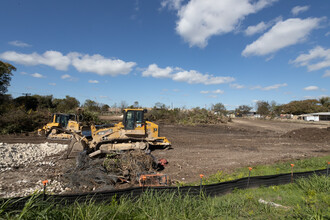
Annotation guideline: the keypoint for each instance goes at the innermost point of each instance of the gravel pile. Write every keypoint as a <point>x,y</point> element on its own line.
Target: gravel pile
<point>16,155</point>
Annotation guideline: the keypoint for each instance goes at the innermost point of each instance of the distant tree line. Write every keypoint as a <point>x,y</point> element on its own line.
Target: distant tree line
<point>272,109</point>
<point>28,112</point>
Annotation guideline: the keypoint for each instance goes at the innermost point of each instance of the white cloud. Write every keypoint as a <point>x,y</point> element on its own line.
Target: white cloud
<point>52,84</point>
<point>251,30</point>
<point>50,58</point>
<point>65,76</point>
<point>201,19</point>
<point>194,77</point>
<point>100,65</point>
<point>93,81</point>
<point>281,35</point>
<point>311,88</point>
<point>171,4</point>
<point>317,58</point>
<point>327,34</point>
<point>326,74</point>
<point>276,86</point>
<point>68,77</point>
<point>18,43</point>
<point>156,72</point>
<point>218,91</point>
<point>298,9</point>
<point>267,88</point>
<point>37,75</point>
<point>82,62</point>
<point>236,86</point>
<point>181,75</point>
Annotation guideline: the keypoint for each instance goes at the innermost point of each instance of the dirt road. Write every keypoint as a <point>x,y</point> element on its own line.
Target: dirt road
<point>196,149</point>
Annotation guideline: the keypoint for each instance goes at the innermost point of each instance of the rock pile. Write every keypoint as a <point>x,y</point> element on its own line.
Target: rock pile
<point>16,155</point>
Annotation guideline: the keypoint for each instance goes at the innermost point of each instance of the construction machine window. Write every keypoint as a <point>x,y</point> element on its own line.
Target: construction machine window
<point>139,117</point>
<point>130,123</point>
<point>133,119</point>
<point>62,120</point>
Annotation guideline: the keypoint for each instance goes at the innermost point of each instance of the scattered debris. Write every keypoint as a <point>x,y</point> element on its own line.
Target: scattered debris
<point>272,204</point>
<point>156,179</point>
<point>104,173</point>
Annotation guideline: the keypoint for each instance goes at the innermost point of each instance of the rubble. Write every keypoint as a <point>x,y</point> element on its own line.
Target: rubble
<point>18,155</point>
<point>104,173</point>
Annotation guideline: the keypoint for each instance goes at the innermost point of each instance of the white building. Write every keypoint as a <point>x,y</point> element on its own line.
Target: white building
<point>320,116</point>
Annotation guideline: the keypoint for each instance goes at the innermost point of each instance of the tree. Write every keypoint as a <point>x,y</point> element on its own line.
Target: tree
<point>219,108</point>
<point>105,108</point>
<point>263,108</point>
<point>136,104</point>
<point>159,105</point>
<point>44,101</point>
<point>243,109</point>
<point>66,105</point>
<point>275,109</point>
<point>91,105</point>
<point>304,107</point>
<point>5,76</point>
<point>325,101</point>
<point>29,102</point>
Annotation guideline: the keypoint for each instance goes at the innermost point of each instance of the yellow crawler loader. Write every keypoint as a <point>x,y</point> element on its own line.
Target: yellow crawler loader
<point>61,126</point>
<point>132,133</point>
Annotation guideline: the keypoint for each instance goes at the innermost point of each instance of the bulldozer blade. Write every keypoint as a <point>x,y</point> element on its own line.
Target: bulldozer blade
<point>74,147</point>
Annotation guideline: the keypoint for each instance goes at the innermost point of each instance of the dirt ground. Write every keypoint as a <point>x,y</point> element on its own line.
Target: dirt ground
<point>195,150</point>
<point>242,143</point>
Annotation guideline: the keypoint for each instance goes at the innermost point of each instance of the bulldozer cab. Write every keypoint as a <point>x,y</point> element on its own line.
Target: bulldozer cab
<point>63,119</point>
<point>133,118</point>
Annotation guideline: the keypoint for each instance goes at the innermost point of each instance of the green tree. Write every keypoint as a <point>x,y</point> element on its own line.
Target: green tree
<point>44,102</point>
<point>263,108</point>
<point>105,108</point>
<point>325,102</point>
<point>275,109</point>
<point>159,105</point>
<point>243,109</point>
<point>5,76</point>
<point>66,105</point>
<point>219,108</point>
<point>6,103</point>
<point>28,102</point>
<point>303,107</point>
<point>92,106</point>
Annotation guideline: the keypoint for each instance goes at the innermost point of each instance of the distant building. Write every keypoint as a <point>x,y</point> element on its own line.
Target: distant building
<point>320,116</point>
<point>253,115</point>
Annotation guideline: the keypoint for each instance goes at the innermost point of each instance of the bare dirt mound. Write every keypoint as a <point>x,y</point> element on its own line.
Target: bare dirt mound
<point>309,134</point>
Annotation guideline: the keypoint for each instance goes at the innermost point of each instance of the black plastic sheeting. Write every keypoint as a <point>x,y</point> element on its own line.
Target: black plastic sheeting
<point>209,190</point>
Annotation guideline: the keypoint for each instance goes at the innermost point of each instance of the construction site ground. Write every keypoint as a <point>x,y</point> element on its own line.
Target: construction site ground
<point>200,149</point>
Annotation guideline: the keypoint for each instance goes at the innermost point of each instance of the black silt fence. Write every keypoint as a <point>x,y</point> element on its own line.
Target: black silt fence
<point>209,190</point>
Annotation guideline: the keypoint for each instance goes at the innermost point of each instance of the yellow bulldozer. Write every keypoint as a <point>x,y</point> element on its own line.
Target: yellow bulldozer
<point>134,132</point>
<point>61,126</point>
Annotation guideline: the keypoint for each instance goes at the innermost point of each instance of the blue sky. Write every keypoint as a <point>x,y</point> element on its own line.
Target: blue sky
<point>177,52</point>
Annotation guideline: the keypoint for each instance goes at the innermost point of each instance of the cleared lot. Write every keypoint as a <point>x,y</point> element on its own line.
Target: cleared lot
<point>196,149</point>
<point>242,143</point>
